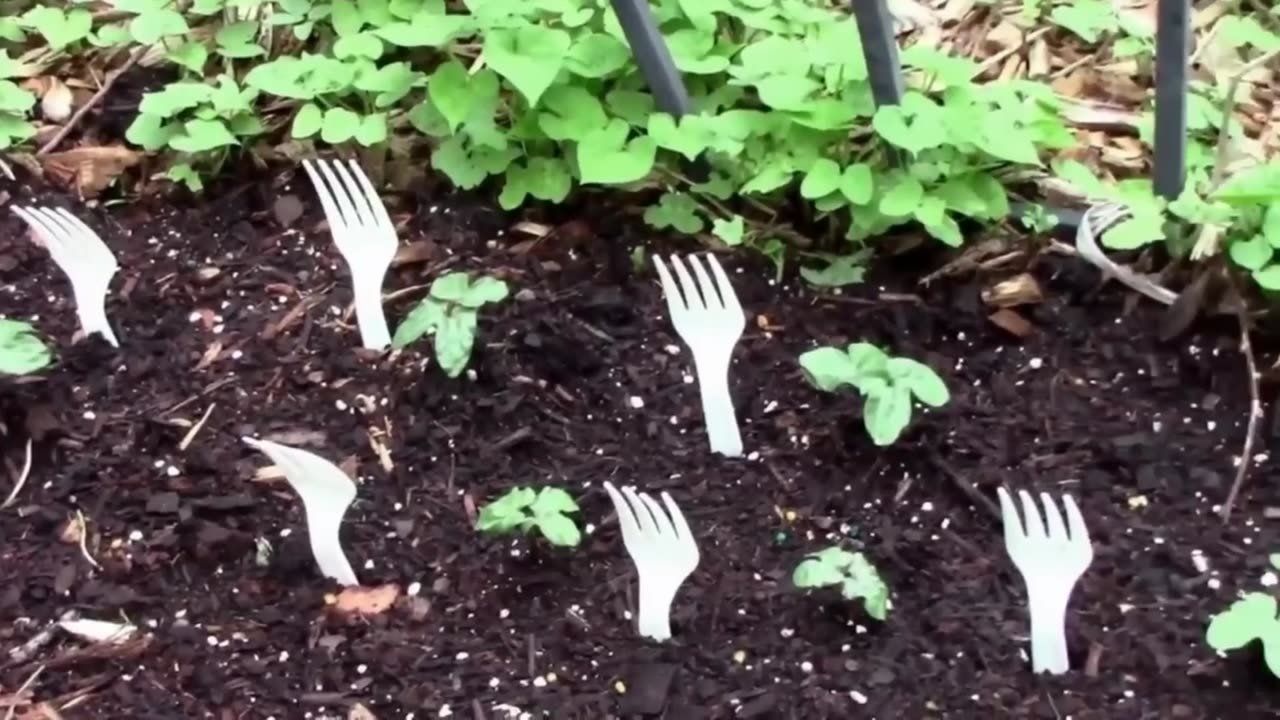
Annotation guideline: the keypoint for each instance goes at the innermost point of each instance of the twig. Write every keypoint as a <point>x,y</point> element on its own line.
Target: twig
<point>22,479</point>
<point>967,488</point>
<point>84,537</point>
<point>1255,404</point>
<point>195,429</point>
<point>14,707</point>
<point>107,82</point>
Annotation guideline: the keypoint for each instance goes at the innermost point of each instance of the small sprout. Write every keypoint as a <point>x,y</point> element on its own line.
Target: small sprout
<point>852,572</point>
<point>1252,617</point>
<point>21,352</point>
<point>521,509</point>
<point>450,311</point>
<point>887,384</point>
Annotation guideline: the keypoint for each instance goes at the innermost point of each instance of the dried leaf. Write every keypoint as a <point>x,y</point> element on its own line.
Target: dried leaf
<point>57,101</point>
<point>1012,323</point>
<point>90,170</point>
<point>1018,290</point>
<point>362,600</point>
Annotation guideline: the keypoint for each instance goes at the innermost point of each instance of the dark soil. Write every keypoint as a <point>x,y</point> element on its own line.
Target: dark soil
<point>1089,404</point>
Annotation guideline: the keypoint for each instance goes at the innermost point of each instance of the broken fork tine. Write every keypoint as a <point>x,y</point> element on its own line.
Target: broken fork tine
<point>1031,520</point>
<point>380,214</point>
<point>693,300</point>
<point>1053,518</point>
<point>675,302</point>
<point>727,294</point>
<point>710,293</point>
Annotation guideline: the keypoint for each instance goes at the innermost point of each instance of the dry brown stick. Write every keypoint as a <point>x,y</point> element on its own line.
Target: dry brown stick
<point>1255,403</point>
<point>967,488</point>
<point>107,83</point>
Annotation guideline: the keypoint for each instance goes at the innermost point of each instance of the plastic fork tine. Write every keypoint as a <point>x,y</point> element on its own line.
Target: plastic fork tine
<point>1075,521</point>
<point>347,210</point>
<point>362,201</point>
<point>677,518</point>
<point>1032,522</point>
<point>626,516</point>
<point>380,214</point>
<point>326,199</point>
<point>661,523</point>
<point>644,520</point>
<point>1012,530</point>
<point>710,293</point>
<point>693,299</point>
<point>671,291</point>
<point>727,295</point>
<point>1053,518</point>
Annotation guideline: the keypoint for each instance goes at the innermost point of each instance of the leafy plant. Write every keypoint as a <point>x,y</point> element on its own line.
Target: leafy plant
<point>15,103</point>
<point>450,312</point>
<point>1090,20</point>
<point>1252,617</point>
<point>522,510</point>
<point>21,352</point>
<point>851,572</point>
<point>887,384</point>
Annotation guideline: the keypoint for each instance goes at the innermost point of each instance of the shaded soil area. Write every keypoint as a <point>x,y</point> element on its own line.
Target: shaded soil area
<point>232,324</point>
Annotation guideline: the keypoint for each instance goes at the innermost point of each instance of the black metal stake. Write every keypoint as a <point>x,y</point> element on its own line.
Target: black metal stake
<point>880,50</point>
<point>1173,41</point>
<point>653,57</point>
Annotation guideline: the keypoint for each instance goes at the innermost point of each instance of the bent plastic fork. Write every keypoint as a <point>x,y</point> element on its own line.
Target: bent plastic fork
<point>1093,223</point>
<point>85,259</point>
<point>707,316</point>
<point>1051,556</point>
<point>663,551</point>
<point>326,494</point>
<point>365,236</point>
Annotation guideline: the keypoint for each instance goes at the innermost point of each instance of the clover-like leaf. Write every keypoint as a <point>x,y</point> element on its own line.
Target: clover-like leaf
<point>21,351</point>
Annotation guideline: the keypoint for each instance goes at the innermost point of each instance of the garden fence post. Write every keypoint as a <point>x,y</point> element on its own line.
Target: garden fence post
<point>880,50</point>
<point>652,55</point>
<point>1173,40</point>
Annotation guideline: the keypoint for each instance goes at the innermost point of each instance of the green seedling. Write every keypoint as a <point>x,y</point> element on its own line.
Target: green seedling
<point>887,384</point>
<point>851,572</point>
<point>522,510</point>
<point>1252,617</point>
<point>450,312</point>
<point>21,352</point>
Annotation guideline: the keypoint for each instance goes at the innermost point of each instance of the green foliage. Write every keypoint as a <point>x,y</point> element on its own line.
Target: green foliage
<point>522,510</point>
<point>851,572</point>
<point>1250,618</point>
<point>1091,20</point>
<point>887,384</point>
<point>21,352</point>
<point>15,103</point>
<point>450,312</point>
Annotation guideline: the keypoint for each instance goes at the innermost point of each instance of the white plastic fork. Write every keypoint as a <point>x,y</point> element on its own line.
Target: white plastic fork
<point>85,259</point>
<point>1095,221</point>
<point>326,494</point>
<point>663,550</point>
<point>709,319</point>
<point>365,236</point>
<point>1051,556</point>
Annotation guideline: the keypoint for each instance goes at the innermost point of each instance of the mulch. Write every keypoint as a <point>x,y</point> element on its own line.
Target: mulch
<point>224,311</point>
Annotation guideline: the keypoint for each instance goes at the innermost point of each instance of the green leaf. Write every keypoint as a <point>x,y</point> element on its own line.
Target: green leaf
<point>856,183</point>
<point>570,112</point>
<point>920,379</point>
<point>596,55</point>
<point>174,98</point>
<point>1252,254</point>
<point>558,530</point>
<point>372,130</point>
<point>425,317</point>
<point>307,122</point>
<point>1271,224</point>
<point>186,175</point>
<point>676,210</point>
<point>507,513</point>
<point>1134,233</point>
<point>886,414</point>
<point>902,197</point>
<point>1249,618</point>
<point>529,57</point>
<point>150,132</point>
<point>483,291</point>
<point>731,232</point>
<point>690,137</point>
<point>203,135</point>
<point>346,18</point>
<point>14,99</point>
<point>543,178</point>
<point>828,368</point>
<point>60,29</point>
<point>553,500</point>
<point>863,581</point>
<point>822,179</point>
<point>450,90</point>
<point>239,40</point>
<point>1258,185</point>
<point>841,270</point>
<point>191,56</point>
<point>150,27</point>
<point>868,359</point>
<point>454,160</point>
<point>455,337</point>
<point>1268,277</point>
<point>425,30</point>
<point>814,573</point>
<point>21,352</point>
<point>361,45</point>
<point>606,157</point>
<point>339,126</point>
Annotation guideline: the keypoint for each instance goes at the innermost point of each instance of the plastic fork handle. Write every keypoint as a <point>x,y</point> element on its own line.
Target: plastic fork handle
<point>717,404</point>
<point>370,316</point>
<point>326,547</point>
<point>91,308</point>
<point>1048,607</point>
<point>657,594</point>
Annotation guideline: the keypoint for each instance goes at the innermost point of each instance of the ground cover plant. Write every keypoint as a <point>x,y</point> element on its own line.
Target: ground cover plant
<point>152,561</point>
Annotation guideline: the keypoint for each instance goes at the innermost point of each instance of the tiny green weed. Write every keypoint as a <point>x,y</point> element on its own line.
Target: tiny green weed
<point>851,572</point>
<point>521,510</point>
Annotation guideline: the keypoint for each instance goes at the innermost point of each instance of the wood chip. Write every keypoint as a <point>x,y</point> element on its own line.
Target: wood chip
<point>360,600</point>
<point>1011,322</point>
<point>1017,290</point>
